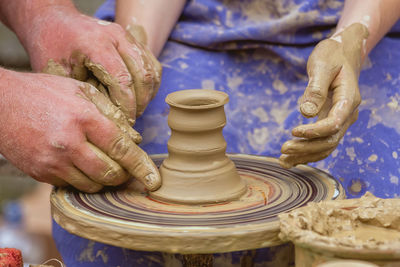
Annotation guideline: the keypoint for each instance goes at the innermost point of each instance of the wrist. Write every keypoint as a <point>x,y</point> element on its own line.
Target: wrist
<point>353,40</point>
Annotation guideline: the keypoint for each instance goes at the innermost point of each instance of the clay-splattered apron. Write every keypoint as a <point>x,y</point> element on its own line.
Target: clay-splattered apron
<point>256,51</point>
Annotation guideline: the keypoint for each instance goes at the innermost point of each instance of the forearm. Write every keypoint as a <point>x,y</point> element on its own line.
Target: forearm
<point>158,17</point>
<point>377,15</point>
<point>18,15</point>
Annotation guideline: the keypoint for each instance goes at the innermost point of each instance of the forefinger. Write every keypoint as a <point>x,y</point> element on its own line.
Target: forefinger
<point>343,107</point>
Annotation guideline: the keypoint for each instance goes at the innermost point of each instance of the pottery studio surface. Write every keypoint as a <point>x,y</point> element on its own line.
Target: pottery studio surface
<point>207,212</point>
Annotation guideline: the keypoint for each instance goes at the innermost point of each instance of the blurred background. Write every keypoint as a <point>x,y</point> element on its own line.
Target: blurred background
<point>25,220</point>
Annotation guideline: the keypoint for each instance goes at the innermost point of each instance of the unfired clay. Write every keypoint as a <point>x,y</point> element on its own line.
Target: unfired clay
<point>197,169</point>
<point>128,217</point>
<point>367,229</point>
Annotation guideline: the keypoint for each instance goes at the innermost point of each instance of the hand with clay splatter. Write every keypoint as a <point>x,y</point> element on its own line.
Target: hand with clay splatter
<point>62,131</point>
<point>333,68</point>
<point>62,41</point>
<point>52,129</point>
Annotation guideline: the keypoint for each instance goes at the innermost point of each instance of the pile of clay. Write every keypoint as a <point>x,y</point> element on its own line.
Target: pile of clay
<point>367,224</point>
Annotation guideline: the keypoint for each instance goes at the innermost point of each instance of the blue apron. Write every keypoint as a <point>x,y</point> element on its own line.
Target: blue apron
<point>256,51</point>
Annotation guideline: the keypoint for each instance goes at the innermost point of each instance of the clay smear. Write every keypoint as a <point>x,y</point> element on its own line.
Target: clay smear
<point>366,223</point>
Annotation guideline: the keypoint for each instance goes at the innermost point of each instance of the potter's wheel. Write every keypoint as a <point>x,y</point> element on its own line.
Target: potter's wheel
<point>129,218</point>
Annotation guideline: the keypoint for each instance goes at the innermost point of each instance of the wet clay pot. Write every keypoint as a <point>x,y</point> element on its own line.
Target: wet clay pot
<point>197,169</point>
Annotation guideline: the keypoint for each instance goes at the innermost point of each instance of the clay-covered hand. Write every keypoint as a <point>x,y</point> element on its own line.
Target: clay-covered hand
<point>64,42</point>
<point>332,94</point>
<point>62,131</point>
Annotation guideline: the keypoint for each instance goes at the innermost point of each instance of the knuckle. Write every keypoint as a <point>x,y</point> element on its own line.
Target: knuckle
<point>65,141</point>
<point>149,78</point>
<point>124,78</point>
<point>45,165</point>
<point>59,144</point>
<point>119,148</point>
<point>87,115</point>
<point>116,28</point>
<point>336,125</point>
<point>118,115</point>
<point>77,115</point>
<point>315,91</point>
<point>112,176</point>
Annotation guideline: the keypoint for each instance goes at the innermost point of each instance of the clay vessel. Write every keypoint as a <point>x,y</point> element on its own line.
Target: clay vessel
<point>197,169</point>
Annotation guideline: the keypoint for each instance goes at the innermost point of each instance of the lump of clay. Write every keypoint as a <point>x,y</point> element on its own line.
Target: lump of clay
<point>365,223</point>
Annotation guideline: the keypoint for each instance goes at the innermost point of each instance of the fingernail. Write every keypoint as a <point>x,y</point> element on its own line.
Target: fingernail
<point>152,182</point>
<point>308,109</point>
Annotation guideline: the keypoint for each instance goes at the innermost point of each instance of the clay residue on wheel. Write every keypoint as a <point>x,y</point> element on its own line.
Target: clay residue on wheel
<point>365,223</point>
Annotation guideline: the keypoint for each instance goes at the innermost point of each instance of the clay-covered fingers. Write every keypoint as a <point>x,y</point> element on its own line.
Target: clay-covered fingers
<point>145,71</point>
<point>120,148</point>
<point>113,136</point>
<point>307,146</point>
<point>80,181</point>
<point>68,174</point>
<point>290,160</point>
<point>345,101</point>
<point>301,151</point>
<point>98,167</point>
<point>109,110</point>
<point>111,71</point>
<point>322,68</point>
<point>325,127</point>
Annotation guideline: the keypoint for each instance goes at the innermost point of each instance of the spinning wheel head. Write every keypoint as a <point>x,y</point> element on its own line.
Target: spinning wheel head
<point>130,218</point>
